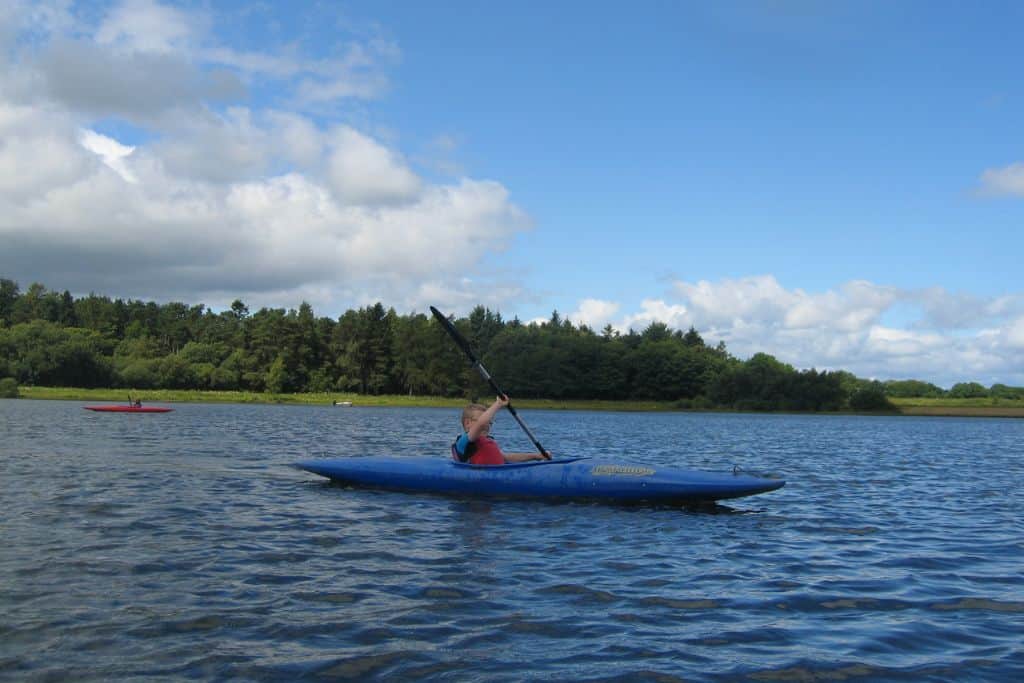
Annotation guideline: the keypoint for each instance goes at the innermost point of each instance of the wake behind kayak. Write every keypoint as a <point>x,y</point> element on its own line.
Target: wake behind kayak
<point>566,479</point>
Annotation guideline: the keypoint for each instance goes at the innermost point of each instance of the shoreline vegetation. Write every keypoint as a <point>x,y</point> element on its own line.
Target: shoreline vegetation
<point>938,407</point>
<point>375,356</point>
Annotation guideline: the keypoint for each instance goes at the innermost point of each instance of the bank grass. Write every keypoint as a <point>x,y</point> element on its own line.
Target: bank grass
<point>953,407</point>
<point>987,402</point>
<point>150,396</point>
<point>961,407</point>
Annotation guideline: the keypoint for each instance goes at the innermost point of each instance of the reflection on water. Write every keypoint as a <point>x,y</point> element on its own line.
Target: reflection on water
<point>185,546</point>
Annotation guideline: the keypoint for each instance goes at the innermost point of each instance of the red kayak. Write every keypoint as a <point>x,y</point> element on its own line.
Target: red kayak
<point>128,409</point>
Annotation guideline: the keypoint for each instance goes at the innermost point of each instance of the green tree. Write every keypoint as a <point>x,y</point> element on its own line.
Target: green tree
<point>424,357</point>
<point>8,387</point>
<point>656,332</point>
<point>97,313</point>
<point>277,376</point>
<point>484,326</point>
<point>1006,392</point>
<point>139,373</point>
<point>968,390</point>
<point>229,374</point>
<point>912,388</point>
<point>871,398</point>
<point>666,370</point>
<point>760,383</point>
<point>693,338</point>
<point>9,294</point>
<point>41,352</point>
<point>36,304</point>
<point>366,352</point>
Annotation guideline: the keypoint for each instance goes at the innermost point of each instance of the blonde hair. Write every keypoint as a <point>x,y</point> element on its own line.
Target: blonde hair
<point>471,411</point>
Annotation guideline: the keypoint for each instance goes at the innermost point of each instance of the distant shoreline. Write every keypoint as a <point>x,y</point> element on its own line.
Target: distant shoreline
<point>963,411</point>
<point>341,400</point>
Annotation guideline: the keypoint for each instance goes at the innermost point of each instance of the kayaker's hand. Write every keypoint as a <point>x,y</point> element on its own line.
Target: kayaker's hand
<point>502,399</point>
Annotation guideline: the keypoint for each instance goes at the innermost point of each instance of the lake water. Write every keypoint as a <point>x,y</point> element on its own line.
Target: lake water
<point>184,546</point>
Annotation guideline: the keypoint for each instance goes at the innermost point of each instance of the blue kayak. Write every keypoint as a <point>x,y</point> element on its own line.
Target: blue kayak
<point>565,479</point>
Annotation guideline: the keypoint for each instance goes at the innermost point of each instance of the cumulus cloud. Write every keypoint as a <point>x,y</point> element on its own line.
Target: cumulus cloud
<point>151,62</point>
<point>112,152</point>
<point>594,313</point>
<point>362,171</point>
<point>210,203</point>
<point>949,336</point>
<point>148,26</point>
<point>1015,334</point>
<point>653,310</point>
<point>98,80</point>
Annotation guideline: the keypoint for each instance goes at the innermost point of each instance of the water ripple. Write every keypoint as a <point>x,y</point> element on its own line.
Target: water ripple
<point>186,547</point>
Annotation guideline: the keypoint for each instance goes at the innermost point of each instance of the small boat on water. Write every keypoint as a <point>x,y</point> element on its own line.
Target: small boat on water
<point>342,404</point>
<point>564,479</point>
<point>128,409</point>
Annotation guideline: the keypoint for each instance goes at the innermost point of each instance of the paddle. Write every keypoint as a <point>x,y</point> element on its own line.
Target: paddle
<point>464,345</point>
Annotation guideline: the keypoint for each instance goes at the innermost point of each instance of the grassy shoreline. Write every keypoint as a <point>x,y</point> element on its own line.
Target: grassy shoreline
<point>960,407</point>
<point>194,396</point>
<point>944,407</point>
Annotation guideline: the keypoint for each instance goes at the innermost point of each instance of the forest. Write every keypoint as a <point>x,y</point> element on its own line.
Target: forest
<point>49,338</point>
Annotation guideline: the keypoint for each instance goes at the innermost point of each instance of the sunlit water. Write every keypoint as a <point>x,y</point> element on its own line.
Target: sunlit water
<point>184,546</point>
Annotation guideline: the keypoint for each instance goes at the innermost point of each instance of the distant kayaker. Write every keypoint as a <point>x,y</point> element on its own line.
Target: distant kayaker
<point>476,446</point>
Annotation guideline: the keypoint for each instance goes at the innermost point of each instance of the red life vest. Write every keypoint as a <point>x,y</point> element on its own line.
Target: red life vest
<point>483,451</point>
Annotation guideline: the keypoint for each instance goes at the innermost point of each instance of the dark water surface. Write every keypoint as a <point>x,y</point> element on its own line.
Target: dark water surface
<point>183,546</point>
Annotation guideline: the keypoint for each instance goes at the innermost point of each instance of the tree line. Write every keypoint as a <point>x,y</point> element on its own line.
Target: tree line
<point>48,338</point>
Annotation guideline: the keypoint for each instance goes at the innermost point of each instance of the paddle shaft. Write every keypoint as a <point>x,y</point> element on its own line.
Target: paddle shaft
<point>464,345</point>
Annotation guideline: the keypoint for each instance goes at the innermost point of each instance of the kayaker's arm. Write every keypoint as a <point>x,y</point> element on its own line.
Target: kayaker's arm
<point>487,417</point>
<point>482,424</point>
<point>522,457</point>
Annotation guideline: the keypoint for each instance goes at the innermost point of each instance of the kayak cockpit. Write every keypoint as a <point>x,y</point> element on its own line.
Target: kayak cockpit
<point>510,465</point>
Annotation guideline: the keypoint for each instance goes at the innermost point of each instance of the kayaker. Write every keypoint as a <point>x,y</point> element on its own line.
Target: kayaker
<point>476,445</point>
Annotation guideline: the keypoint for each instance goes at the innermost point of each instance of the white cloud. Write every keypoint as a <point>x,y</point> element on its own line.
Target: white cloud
<point>949,310</point>
<point>954,336</point>
<point>886,341</point>
<point>150,62</point>
<point>357,74</point>
<point>112,152</point>
<point>148,26</point>
<point>298,141</point>
<point>652,310</point>
<point>38,151</point>
<point>218,148</point>
<point>362,171</point>
<point>762,300</point>
<point>1008,180</point>
<point>594,313</point>
<point>1015,334</point>
<point>855,306</point>
<point>141,87</point>
<point>210,204</point>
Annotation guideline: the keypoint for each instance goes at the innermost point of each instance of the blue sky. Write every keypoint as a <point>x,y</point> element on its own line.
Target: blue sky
<point>838,184</point>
